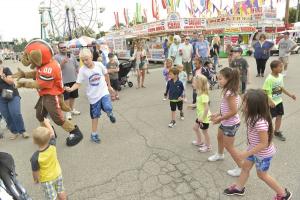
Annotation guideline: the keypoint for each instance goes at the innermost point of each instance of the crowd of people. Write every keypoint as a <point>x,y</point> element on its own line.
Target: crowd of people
<point>259,106</point>
<point>187,62</point>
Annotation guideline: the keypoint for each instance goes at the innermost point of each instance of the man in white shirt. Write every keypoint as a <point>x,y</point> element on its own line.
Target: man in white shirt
<point>285,46</point>
<point>187,52</point>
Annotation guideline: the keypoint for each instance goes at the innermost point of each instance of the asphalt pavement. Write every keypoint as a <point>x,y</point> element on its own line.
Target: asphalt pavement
<point>140,158</point>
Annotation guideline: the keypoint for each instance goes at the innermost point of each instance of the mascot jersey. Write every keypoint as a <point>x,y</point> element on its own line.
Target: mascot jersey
<point>49,79</point>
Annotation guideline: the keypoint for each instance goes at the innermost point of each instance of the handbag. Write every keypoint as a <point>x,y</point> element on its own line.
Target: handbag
<point>7,94</point>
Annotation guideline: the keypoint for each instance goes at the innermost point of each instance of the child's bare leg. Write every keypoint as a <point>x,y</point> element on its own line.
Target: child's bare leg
<point>246,168</point>
<point>271,182</point>
<point>198,133</point>
<point>206,137</point>
<point>278,123</point>
<point>229,145</point>
<point>62,196</point>
<point>220,139</point>
<point>94,125</point>
<point>173,115</point>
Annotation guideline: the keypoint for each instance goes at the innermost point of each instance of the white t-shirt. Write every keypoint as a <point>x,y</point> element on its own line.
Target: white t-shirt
<point>95,80</point>
<point>187,51</point>
<point>284,46</point>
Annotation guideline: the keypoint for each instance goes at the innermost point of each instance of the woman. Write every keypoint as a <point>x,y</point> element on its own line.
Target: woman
<point>215,50</point>
<point>262,53</point>
<point>10,107</point>
<point>141,65</point>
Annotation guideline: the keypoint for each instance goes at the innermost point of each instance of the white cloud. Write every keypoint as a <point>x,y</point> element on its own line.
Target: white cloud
<point>20,18</point>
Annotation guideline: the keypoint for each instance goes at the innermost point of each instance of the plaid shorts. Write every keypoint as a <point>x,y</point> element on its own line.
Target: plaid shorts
<point>52,188</point>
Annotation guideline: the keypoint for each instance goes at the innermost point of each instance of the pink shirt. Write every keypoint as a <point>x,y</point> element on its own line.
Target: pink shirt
<point>253,138</point>
<point>234,120</point>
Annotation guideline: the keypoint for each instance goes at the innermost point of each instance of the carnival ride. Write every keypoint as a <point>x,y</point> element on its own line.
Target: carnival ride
<point>69,19</point>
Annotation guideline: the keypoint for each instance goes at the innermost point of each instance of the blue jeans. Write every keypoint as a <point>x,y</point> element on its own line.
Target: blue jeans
<point>11,111</point>
<point>103,104</point>
<point>216,61</point>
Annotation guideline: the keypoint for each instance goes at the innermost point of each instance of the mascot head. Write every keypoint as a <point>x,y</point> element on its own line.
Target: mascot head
<point>37,53</point>
<point>177,39</point>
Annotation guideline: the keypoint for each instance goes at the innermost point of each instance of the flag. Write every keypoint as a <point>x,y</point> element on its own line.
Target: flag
<point>116,19</point>
<point>138,13</point>
<point>164,4</point>
<point>126,16</point>
<point>255,4</point>
<point>145,15</point>
<point>202,3</point>
<point>177,3</point>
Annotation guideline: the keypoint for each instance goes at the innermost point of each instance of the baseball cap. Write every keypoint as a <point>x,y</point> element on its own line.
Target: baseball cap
<point>237,49</point>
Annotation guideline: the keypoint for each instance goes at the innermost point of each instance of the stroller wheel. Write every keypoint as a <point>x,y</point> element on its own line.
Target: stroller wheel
<point>130,84</point>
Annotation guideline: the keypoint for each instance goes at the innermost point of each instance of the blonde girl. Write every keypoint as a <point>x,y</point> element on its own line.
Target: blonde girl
<point>200,84</point>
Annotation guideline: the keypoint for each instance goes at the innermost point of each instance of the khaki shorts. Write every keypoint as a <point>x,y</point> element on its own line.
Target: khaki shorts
<point>284,60</point>
<point>187,67</point>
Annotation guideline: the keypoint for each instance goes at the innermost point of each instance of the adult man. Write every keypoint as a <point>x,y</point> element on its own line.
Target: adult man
<point>202,48</point>
<point>187,51</point>
<point>285,46</point>
<point>69,67</point>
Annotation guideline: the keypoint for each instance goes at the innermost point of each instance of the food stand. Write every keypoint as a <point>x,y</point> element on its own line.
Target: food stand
<point>153,34</point>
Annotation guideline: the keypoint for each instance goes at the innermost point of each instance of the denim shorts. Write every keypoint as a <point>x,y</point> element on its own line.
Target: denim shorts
<point>103,104</point>
<point>262,164</point>
<point>229,131</point>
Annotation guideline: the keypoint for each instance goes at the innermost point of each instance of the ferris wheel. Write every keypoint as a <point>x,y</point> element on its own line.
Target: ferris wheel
<point>69,18</point>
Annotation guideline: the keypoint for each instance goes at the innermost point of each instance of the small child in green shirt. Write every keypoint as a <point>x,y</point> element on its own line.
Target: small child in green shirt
<point>200,83</point>
<point>274,88</point>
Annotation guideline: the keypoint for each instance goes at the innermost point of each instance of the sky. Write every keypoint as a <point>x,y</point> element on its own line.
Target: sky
<point>21,19</point>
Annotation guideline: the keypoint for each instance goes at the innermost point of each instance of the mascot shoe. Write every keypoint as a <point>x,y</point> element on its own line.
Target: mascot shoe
<point>75,137</point>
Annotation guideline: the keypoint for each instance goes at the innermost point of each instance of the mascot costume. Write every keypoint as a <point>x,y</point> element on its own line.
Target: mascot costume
<point>48,81</point>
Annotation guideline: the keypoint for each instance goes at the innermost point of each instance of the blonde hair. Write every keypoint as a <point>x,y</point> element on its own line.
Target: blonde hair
<point>41,136</point>
<point>201,84</point>
<point>85,52</point>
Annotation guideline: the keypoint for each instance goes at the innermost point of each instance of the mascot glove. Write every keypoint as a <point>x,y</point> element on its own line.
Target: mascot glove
<point>20,74</point>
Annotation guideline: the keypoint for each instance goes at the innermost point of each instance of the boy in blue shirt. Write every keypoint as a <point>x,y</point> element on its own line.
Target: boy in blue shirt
<point>175,92</point>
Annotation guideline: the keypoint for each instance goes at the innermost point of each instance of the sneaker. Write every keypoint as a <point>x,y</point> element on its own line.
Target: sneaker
<point>236,172</point>
<point>279,135</point>
<point>181,116</point>
<point>216,157</point>
<point>232,190</point>
<point>205,149</point>
<point>95,138</point>
<point>69,116</point>
<point>112,118</point>
<point>75,112</point>
<point>258,75</point>
<point>25,135</point>
<point>172,124</point>
<point>195,143</point>
<point>13,136</point>
<point>288,195</point>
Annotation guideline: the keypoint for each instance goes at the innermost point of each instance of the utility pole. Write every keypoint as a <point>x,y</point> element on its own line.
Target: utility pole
<point>286,18</point>
<point>297,13</point>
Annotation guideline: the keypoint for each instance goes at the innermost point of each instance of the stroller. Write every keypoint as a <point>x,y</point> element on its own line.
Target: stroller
<point>210,74</point>
<point>124,69</point>
<point>10,188</point>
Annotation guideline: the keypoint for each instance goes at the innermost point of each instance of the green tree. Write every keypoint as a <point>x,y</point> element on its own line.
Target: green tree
<point>83,31</point>
<point>292,15</point>
<point>19,45</point>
